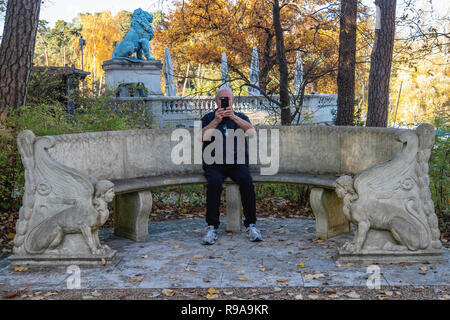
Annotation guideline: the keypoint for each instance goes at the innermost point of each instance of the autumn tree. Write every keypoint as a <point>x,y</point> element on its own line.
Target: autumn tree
<point>102,31</point>
<point>282,65</point>
<point>16,51</point>
<point>380,64</point>
<point>198,31</point>
<point>347,63</point>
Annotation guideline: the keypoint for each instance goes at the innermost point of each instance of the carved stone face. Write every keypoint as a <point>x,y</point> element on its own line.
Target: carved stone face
<point>109,195</point>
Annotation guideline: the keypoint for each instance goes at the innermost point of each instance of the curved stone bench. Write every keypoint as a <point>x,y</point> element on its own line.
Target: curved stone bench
<point>132,204</point>
<point>377,173</point>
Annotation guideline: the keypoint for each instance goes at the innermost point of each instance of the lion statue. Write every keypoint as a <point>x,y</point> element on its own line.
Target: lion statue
<point>137,39</point>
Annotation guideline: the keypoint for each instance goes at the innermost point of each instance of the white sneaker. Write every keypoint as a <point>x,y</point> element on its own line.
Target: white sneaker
<point>253,234</point>
<point>211,235</point>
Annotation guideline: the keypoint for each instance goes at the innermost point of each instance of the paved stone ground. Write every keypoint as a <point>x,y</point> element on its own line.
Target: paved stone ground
<point>173,257</point>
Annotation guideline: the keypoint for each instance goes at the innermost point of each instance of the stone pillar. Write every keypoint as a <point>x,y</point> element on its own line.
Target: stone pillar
<point>327,207</point>
<point>131,213</point>
<point>234,208</point>
<point>118,71</point>
<point>156,110</point>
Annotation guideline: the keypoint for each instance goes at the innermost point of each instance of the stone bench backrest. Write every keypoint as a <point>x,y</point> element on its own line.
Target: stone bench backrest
<point>127,154</point>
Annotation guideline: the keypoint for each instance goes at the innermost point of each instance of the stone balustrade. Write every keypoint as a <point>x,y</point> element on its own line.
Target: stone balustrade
<point>182,111</point>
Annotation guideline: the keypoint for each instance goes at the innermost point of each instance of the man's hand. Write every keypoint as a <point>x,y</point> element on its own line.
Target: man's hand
<point>228,112</point>
<point>219,114</point>
<point>206,132</point>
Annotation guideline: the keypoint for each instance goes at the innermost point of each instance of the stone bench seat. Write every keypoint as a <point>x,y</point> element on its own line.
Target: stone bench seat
<point>138,184</point>
<point>134,200</point>
<point>374,178</point>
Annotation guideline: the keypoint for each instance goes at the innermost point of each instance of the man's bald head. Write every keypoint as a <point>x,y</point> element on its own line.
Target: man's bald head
<point>220,92</point>
<point>224,92</point>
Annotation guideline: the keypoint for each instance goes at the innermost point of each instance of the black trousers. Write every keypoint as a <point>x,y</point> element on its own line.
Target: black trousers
<point>239,173</point>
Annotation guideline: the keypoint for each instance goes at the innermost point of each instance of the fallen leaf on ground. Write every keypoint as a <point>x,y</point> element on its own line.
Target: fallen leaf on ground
<point>213,290</point>
<point>331,292</point>
<point>314,276</point>
<point>313,296</point>
<point>242,278</point>
<point>299,297</point>
<point>228,293</point>
<point>20,269</point>
<point>48,294</point>
<point>168,292</point>
<point>349,265</point>
<point>210,296</point>
<point>301,265</point>
<point>10,295</point>
<point>281,280</point>
<point>353,295</point>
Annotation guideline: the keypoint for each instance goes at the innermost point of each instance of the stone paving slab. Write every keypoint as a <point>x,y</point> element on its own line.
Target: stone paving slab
<point>173,257</point>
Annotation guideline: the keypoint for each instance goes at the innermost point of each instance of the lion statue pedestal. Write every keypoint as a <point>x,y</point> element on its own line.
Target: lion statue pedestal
<point>122,71</point>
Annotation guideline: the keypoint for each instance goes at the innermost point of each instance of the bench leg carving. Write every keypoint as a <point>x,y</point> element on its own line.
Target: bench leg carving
<point>62,211</point>
<point>390,204</point>
<point>327,208</point>
<point>131,213</point>
<point>234,208</point>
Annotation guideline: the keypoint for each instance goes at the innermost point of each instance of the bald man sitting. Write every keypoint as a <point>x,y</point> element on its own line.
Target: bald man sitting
<point>222,119</point>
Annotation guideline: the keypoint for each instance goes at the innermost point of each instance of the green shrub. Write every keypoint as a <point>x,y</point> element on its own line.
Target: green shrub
<point>440,167</point>
<point>46,87</point>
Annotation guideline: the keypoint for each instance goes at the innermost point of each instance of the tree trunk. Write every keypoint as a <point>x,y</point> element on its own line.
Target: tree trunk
<point>16,51</point>
<point>347,61</point>
<point>282,66</point>
<point>380,64</point>
<point>267,63</point>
